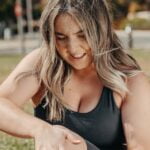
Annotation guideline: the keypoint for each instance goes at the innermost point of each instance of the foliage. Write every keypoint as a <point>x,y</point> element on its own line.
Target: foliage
<point>7,14</point>
<point>8,142</point>
<point>7,64</point>
<point>121,7</point>
<point>120,10</point>
<point>7,10</point>
<point>136,24</point>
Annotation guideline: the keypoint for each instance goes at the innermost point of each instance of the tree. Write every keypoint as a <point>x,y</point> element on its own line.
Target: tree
<point>120,8</point>
<point>7,14</point>
<point>7,11</point>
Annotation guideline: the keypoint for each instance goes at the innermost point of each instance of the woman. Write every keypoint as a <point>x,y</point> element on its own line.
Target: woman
<point>87,91</point>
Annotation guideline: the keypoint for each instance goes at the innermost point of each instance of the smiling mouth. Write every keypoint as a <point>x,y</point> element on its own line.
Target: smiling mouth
<point>78,56</point>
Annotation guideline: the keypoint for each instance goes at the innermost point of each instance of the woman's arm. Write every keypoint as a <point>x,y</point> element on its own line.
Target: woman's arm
<point>136,112</point>
<point>13,96</point>
<point>18,123</point>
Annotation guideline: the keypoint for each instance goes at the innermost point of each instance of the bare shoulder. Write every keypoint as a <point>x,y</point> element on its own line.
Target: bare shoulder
<point>139,89</point>
<point>139,85</point>
<point>20,93</point>
<point>140,78</point>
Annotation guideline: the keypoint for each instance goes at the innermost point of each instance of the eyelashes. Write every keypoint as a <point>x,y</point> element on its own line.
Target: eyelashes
<point>62,38</point>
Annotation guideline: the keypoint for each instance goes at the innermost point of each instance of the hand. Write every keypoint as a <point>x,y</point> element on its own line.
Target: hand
<point>50,137</point>
<point>132,143</point>
<point>72,145</point>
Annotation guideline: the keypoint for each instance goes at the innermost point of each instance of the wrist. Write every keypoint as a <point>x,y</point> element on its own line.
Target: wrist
<point>39,128</point>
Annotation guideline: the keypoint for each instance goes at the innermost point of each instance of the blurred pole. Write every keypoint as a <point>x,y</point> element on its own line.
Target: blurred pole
<point>128,30</point>
<point>29,16</point>
<point>18,12</point>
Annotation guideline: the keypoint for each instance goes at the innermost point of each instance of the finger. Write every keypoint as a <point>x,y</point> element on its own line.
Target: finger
<point>72,138</point>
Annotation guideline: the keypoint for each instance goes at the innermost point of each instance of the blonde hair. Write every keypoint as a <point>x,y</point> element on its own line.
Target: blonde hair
<point>113,64</point>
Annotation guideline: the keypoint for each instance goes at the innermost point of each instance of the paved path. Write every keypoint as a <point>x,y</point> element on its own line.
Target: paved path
<point>13,45</point>
<point>141,40</point>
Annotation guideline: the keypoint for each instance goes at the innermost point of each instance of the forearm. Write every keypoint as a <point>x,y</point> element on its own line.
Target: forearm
<point>17,122</point>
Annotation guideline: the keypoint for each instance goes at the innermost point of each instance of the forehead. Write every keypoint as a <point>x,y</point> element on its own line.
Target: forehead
<point>65,23</point>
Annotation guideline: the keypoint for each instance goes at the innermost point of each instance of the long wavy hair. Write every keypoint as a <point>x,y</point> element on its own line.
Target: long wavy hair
<point>113,64</point>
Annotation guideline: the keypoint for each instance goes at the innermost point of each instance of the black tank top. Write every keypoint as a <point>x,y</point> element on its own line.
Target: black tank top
<point>102,126</point>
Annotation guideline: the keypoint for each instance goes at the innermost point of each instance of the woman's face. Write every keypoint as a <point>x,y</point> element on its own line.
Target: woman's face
<point>71,43</point>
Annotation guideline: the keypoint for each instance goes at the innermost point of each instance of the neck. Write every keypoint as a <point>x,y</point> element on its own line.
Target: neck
<point>85,72</point>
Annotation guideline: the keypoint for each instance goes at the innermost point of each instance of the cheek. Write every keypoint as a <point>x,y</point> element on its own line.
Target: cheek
<point>62,52</point>
<point>61,48</point>
<point>87,48</point>
<point>89,52</point>
<point>61,43</point>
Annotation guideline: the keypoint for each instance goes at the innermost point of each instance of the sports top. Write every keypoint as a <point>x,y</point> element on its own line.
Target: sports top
<point>102,126</point>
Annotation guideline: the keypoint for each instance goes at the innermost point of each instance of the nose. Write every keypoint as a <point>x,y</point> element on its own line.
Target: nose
<point>73,47</point>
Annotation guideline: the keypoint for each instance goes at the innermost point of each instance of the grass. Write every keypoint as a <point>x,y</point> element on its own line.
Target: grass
<point>8,63</point>
<point>143,58</point>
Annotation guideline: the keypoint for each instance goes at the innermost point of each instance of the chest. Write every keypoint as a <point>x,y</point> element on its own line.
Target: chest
<point>102,126</point>
<point>82,96</point>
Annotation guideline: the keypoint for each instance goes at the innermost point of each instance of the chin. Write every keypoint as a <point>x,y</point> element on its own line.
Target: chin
<point>81,67</point>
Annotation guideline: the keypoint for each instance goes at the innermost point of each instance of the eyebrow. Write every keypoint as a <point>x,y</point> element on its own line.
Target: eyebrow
<point>59,33</point>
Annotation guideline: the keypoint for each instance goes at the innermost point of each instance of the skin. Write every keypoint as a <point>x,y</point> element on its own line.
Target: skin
<point>71,43</point>
<point>83,80</point>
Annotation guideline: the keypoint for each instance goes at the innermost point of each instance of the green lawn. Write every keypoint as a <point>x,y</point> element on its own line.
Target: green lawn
<point>143,57</point>
<point>7,64</point>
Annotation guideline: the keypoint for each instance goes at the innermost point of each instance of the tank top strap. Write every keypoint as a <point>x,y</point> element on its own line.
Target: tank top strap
<point>107,100</point>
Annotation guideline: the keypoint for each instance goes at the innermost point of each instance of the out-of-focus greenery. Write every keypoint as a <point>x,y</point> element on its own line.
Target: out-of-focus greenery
<point>143,58</point>
<point>8,18</point>
<point>8,142</point>
<point>120,8</point>
<point>7,9</point>
<point>136,23</point>
<point>7,64</point>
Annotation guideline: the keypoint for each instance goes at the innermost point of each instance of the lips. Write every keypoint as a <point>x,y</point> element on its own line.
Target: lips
<point>79,56</point>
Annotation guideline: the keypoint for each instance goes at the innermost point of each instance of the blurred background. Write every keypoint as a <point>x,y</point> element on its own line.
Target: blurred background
<point>19,34</point>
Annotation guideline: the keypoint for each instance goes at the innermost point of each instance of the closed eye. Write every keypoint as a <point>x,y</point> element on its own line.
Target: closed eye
<point>82,36</point>
<point>61,37</point>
